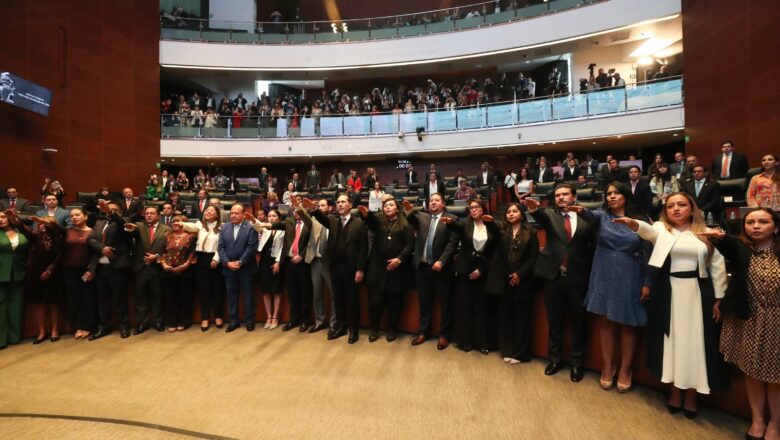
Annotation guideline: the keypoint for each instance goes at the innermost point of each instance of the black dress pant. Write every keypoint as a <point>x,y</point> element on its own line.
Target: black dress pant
<point>380,298</point>
<point>514,322</point>
<point>112,287</point>
<point>82,299</point>
<point>562,297</point>
<point>431,285</point>
<point>210,287</point>
<point>474,325</point>
<point>345,294</point>
<point>299,292</point>
<point>178,298</point>
<point>147,294</point>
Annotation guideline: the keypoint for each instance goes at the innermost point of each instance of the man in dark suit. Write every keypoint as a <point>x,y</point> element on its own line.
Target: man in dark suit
<point>729,164</point>
<point>687,174</point>
<point>564,264</point>
<point>613,174</point>
<point>112,245</point>
<point>486,176</point>
<point>297,270</point>
<point>150,237</point>
<point>236,248</point>
<point>262,178</point>
<point>589,166</point>
<point>678,166</point>
<point>571,172</point>
<point>297,183</point>
<point>348,250</point>
<point>643,195</point>
<point>168,183</point>
<point>432,186</point>
<point>411,175</point>
<point>129,207</point>
<point>166,215</point>
<point>200,204</point>
<point>433,254</point>
<point>543,174</point>
<point>13,201</point>
<point>705,193</point>
<point>313,179</point>
<point>432,169</point>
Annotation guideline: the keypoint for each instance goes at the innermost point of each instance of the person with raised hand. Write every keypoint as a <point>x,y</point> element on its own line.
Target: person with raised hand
<point>751,322</point>
<point>434,253</point>
<point>210,284</point>
<point>564,265</point>
<point>388,265</point>
<point>616,296</point>
<point>682,310</point>
<point>475,309</point>
<point>269,249</point>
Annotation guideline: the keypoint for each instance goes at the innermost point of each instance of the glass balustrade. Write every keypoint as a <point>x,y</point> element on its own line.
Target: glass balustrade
<point>177,26</point>
<point>605,102</point>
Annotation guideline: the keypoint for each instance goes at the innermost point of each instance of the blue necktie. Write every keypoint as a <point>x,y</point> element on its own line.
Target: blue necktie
<point>429,240</point>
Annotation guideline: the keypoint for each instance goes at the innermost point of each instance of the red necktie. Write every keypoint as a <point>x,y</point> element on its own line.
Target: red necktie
<point>724,172</point>
<point>567,227</point>
<point>151,234</point>
<point>13,205</point>
<point>294,248</point>
<point>202,202</point>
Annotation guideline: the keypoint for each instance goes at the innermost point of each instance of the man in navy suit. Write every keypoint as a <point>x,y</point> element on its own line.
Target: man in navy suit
<point>237,244</point>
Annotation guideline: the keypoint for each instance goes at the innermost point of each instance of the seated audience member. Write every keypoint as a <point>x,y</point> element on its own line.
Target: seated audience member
<point>729,164</point>
<point>705,193</point>
<point>464,191</point>
<point>178,258</point>
<point>54,187</point>
<point>764,188</point>
<point>13,201</point>
<point>750,326</point>
<point>14,247</point>
<point>52,209</point>
<point>291,191</point>
<point>155,190</point>
<point>582,182</point>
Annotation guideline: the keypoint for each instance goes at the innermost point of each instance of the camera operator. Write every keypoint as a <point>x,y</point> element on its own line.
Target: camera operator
<point>603,79</point>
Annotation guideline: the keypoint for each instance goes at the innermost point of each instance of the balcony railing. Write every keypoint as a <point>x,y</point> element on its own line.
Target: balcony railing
<point>376,28</point>
<point>604,102</point>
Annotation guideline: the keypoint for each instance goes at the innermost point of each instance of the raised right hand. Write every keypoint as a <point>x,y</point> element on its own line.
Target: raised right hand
<point>363,211</point>
<point>308,203</point>
<point>531,204</point>
<point>408,207</point>
<point>249,217</point>
<point>130,227</point>
<point>628,221</point>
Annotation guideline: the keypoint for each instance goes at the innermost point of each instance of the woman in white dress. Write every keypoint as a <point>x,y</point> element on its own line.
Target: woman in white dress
<point>525,186</point>
<point>375,198</point>
<point>690,280</point>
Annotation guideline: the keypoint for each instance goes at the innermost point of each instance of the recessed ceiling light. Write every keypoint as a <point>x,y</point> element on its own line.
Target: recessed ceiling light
<point>675,135</point>
<point>594,142</point>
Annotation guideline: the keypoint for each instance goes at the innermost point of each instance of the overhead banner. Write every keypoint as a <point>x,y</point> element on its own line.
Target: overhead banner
<point>25,94</point>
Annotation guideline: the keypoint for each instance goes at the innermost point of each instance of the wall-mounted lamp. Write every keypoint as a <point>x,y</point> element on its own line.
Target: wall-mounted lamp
<point>50,150</point>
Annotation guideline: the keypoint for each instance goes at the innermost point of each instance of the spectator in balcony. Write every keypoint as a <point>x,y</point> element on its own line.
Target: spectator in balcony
<point>155,190</point>
<point>13,201</point>
<point>182,182</point>
<point>729,164</point>
<point>553,80</point>
<point>277,114</point>
<point>195,100</point>
<point>652,170</point>
<point>662,74</point>
<point>375,198</point>
<point>200,179</point>
<point>210,118</point>
<point>618,81</point>
<point>195,117</point>
<point>664,184</point>
<point>525,186</point>
<point>489,90</point>
<point>225,113</point>
<point>354,181</point>
<point>464,191</point>
<point>53,187</point>
<point>271,202</point>
<point>237,117</point>
<point>603,80</point>
<point>240,102</point>
<point>571,172</point>
<point>764,188</point>
<point>531,88</point>
<point>409,106</point>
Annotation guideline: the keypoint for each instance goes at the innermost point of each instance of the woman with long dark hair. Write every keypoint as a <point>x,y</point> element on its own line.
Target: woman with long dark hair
<point>510,276</point>
<point>208,273</point>
<point>474,307</point>
<point>78,275</point>
<point>389,269</point>
<point>615,296</point>
<point>751,311</point>
<point>689,282</point>
<point>662,185</point>
<point>270,244</point>
<point>764,188</point>
<point>13,264</point>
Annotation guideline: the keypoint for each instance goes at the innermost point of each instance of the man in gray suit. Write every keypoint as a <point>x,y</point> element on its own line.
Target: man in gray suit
<point>313,179</point>
<point>52,209</point>
<point>13,201</point>
<point>317,257</point>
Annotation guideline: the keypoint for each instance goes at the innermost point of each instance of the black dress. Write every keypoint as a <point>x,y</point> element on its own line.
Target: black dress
<point>44,254</point>
<point>270,282</point>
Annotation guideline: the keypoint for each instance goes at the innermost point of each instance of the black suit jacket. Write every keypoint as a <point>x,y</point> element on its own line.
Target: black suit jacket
<point>356,239</point>
<point>394,240</point>
<point>500,268</point>
<point>445,241</point>
<point>468,258</point>
<point>491,179</point>
<point>288,226</point>
<point>579,249</point>
<point>568,175</point>
<point>738,255</point>
<point>643,197</point>
<point>427,189</point>
<point>708,199</point>
<point>134,213</point>
<point>609,176</point>
<point>312,179</point>
<point>738,166</point>
<point>197,213</point>
<point>115,237</point>
<point>297,185</point>
<point>411,177</point>
<point>548,175</point>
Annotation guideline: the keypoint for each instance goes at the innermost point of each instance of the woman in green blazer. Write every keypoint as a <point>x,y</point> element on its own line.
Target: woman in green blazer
<point>13,257</point>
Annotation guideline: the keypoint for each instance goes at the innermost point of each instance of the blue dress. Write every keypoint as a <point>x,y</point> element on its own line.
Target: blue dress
<point>619,271</point>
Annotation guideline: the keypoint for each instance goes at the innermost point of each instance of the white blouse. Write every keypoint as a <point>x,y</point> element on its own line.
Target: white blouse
<point>480,237</point>
<point>208,238</point>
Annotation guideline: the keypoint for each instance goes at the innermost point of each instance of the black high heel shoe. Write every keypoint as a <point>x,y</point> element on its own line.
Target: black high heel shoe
<point>673,409</point>
<point>54,338</point>
<point>37,341</point>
